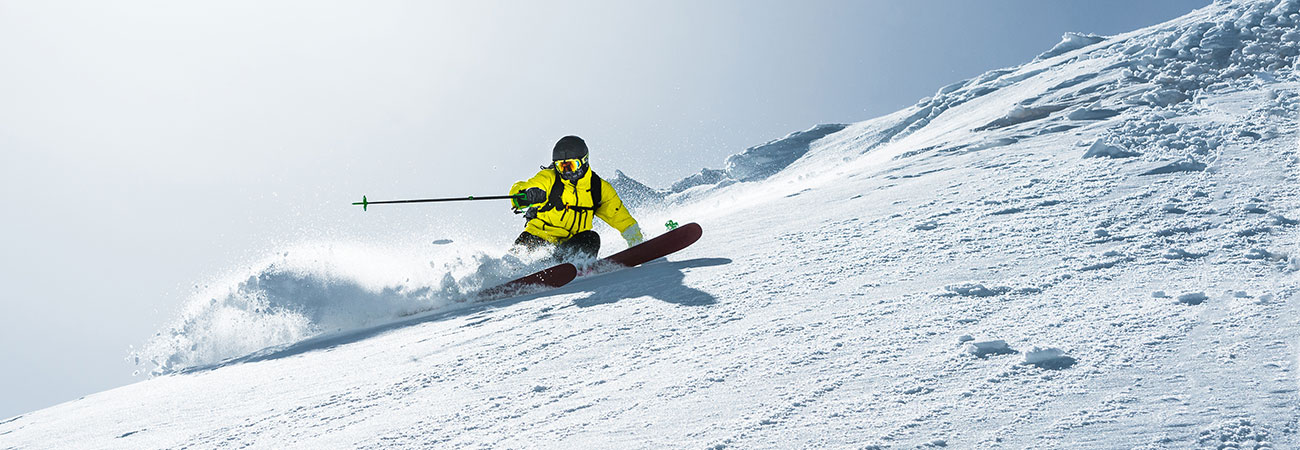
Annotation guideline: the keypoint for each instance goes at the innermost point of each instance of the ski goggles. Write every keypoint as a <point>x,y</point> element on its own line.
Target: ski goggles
<point>570,165</point>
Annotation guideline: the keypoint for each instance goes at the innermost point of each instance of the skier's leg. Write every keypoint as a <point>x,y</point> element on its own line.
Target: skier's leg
<point>582,245</point>
<point>529,242</point>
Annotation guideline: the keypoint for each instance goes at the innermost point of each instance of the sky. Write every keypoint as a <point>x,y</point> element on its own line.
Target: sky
<point>149,146</point>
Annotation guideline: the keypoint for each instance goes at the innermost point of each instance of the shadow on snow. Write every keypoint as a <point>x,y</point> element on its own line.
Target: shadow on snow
<point>658,279</point>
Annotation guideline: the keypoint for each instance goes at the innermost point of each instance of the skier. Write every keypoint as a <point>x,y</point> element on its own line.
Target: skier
<point>561,201</point>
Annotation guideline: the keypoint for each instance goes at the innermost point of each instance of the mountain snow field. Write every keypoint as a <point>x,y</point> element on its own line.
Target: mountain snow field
<point>1099,248</point>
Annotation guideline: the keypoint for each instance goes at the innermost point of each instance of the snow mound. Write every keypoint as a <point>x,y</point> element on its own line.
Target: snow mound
<point>974,290</point>
<point>1092,113</point>
<point>1100,149</point>
<point>1193,298</point>
<point>982,349</point>
<point>1048,358</point>
<point>1071,42</point>
<point>1187,165</point>
<point>1021,114</point>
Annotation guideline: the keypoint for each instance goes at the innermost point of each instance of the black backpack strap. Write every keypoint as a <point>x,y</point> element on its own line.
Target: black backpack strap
<point>554,198</point>
<point>595,190</point>
<point>595,195</point>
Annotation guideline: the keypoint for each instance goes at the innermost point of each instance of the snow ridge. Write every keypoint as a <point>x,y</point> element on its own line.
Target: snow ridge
<point>754,164</point>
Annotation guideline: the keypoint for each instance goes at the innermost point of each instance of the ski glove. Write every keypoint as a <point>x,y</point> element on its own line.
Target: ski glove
<point>533,196</point>
<point>633,235</point>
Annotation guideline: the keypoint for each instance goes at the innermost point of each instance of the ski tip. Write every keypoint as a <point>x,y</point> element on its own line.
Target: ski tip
<point>692,231</point>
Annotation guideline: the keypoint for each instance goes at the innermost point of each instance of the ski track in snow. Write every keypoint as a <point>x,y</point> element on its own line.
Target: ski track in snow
<point>956,274</point>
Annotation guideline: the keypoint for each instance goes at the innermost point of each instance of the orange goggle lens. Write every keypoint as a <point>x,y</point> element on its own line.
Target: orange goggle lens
<point>568,165</point>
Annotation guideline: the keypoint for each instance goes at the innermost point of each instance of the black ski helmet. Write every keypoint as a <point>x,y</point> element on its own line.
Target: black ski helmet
<point>569,147</point>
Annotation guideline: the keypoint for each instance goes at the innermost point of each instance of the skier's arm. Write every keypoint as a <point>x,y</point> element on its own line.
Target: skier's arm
<point>613,212</point>
<point>540,181</point>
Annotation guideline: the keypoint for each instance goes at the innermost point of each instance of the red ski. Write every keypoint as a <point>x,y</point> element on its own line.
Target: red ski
<point>659,247</point>
<point>560,275</point>
<point>554,276</point>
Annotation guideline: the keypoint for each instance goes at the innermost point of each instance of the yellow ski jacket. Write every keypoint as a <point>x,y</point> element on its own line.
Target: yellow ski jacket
<point>572,213</point>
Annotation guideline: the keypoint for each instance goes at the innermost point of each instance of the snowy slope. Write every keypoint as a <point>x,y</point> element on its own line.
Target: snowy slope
<point>1097,249</point>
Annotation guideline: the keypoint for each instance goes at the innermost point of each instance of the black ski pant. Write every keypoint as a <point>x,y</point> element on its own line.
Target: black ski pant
<point>582,245</point>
